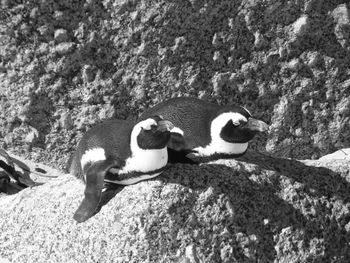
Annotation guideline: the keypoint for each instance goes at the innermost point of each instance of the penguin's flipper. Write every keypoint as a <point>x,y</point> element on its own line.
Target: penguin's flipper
<point>178,147</point>
<point>179,157</point>
<point>177,142</point>
<point>95,176</point>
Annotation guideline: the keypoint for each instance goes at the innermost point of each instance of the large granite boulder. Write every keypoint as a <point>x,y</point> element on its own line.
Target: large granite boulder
<point>254,209</point>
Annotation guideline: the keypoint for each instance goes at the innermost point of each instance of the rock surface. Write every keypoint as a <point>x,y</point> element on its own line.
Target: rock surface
<point>286,61</point>
<point>253,209</point>
<point>66,65</point>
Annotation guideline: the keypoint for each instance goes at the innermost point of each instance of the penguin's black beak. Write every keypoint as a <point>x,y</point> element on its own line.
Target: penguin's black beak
<point>256,125</point>
<point>164,125</point>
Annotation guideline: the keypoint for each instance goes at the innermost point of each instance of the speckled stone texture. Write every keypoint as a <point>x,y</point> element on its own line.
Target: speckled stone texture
<point>66,65</point>
<point>254,209</point>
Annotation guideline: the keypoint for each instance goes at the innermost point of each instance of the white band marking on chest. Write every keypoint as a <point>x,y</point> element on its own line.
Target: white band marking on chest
<point>217,144</point>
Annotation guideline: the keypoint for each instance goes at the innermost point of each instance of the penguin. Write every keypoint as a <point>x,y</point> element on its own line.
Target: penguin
<point>118,152</point>
<point>204,129</point>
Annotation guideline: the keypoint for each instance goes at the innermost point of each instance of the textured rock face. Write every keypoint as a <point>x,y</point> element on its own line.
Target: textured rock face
<point>66,65</point>
<point>254,209</point>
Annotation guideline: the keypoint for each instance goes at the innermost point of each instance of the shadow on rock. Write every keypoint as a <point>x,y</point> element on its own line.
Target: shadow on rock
<point>317,181</point>
<point>108,194</point>
<point>248,206</point>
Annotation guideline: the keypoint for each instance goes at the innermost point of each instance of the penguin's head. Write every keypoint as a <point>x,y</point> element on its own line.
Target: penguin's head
<point>236,125</point>
<point>153,133</point>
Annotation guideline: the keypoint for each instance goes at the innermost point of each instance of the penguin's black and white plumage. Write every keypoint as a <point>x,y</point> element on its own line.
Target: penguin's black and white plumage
<point>205,129</point>
<point>121,152</point>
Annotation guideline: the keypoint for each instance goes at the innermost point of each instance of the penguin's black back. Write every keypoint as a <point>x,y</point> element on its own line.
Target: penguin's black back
<point>192,115</point>
<point>111,135</point>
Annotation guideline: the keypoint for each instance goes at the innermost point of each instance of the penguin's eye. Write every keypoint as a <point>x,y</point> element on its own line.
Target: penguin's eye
<point>237,123</point>
<point>149,127</point>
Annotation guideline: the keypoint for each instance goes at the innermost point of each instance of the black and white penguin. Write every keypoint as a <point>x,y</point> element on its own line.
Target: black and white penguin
<point>205,129</point>
<point>121,152</point>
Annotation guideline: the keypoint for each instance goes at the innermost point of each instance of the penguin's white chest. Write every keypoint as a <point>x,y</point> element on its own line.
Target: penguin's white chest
<point>140,167</point>
<point>221,147</point>
<point>145,161</point>
<point>141,164</point>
